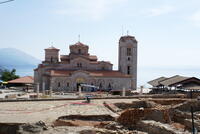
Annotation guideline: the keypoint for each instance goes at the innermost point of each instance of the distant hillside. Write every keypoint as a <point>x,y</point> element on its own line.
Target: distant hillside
<point>11,57</point>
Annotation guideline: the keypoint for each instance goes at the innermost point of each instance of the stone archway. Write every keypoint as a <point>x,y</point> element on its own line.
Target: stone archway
<point>79,81</point>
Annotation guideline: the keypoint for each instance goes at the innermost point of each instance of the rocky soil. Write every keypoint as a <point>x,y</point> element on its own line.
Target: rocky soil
<point>145,116</point>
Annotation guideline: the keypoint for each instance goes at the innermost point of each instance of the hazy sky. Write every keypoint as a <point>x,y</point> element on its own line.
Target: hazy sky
<point>168,31</point>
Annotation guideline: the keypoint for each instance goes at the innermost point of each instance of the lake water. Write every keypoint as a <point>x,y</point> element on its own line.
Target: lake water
<point>145,74</point>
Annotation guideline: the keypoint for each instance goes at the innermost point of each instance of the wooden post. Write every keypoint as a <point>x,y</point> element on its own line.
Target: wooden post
<point>50,91</point>
<point>43,88</point>
<point>79,90</point>
<point>192,114</point>
<point>124,92</point>
<point>141,90</point>
<point>38,88</point>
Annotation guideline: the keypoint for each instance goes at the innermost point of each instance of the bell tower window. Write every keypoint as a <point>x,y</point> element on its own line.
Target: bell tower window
<point>59,84</point>
<point>51,59</point>
<point>109,86</point>
<point>67,84</point>
<point>128,70</point>
<point>128,51</point>
<point>79,51</point>
<point>100,86</point>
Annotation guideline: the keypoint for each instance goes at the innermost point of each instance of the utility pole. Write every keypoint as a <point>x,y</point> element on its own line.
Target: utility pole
<point>192,114</point>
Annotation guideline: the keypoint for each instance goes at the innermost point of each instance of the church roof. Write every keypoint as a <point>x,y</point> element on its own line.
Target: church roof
<point>79,44</point>
<point>127,37</point>
<point>91,73</point>
<point>23,80</point>
<point>173,80</point>
<point>93,57</point>
<point>52,48</point>
<point>156,82</point>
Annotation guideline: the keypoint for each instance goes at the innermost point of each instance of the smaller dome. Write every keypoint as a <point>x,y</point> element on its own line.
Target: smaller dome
<point>128,37</point>
<point>79,44</point>
<point>52,48</point>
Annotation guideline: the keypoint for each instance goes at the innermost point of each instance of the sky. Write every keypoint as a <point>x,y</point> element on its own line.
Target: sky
<point>168,31</point>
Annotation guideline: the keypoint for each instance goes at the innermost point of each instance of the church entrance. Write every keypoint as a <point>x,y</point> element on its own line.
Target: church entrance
<point>79,81</point>
<point>77,86</point>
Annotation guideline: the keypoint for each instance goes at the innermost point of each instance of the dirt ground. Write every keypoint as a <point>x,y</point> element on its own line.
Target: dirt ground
<point>48,111</point>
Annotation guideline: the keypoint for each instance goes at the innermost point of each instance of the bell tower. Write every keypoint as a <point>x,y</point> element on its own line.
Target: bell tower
<point>128,58</point>
<point>52,55</point>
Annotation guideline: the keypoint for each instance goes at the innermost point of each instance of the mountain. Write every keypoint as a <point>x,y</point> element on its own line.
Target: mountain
<point>11,57</point>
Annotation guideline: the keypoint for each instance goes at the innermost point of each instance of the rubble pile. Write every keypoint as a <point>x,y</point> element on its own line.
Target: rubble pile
<point>153,127</point>
<point>131,117</point>
<point>136,104</point>
<point>181,113</point>
<point>155,118</point>
<point>137,116</point>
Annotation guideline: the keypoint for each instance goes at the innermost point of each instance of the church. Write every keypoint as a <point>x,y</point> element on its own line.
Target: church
<point>67,72</point>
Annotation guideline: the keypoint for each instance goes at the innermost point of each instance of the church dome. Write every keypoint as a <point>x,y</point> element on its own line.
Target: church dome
<point>79,44</point>
<point>127,37</point>
<point>52,48</point>
<point>79,48</point>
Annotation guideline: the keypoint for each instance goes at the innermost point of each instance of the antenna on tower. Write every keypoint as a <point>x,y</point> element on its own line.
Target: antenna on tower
<point>127,32</point>
<point>79,38</point>
<point>122,31</point>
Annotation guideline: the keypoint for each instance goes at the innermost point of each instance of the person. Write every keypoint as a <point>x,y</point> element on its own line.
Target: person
<point>87,99</point>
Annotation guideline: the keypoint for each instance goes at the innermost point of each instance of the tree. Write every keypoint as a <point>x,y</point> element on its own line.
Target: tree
<point>7,75</point>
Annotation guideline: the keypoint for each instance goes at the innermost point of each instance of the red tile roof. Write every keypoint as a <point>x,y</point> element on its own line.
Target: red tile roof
<point>91,73</point>
<point>23,80</point>
<point>128,37</point>
<point>52,48</point>
<point>79,44</point>
<point>93,57</point>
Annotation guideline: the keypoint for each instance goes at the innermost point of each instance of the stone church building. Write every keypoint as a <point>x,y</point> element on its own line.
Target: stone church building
<point>67,72</point>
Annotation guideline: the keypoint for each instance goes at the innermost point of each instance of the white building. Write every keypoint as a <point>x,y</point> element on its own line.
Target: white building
<point>69,71</point>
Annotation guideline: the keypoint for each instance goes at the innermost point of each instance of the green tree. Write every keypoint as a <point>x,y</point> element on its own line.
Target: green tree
<point>7,75</point>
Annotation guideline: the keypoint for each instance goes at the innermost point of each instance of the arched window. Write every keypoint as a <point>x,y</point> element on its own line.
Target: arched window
<point>109,86</point>
<point>79,65</point>
<point>79,51</point>
<point>129,58</point>
<point>128,51</point>
<point>58,84</point>
<point>67,84</point>
<point>128,70</point>
<point>51,59</point>
<point>100,86</point>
